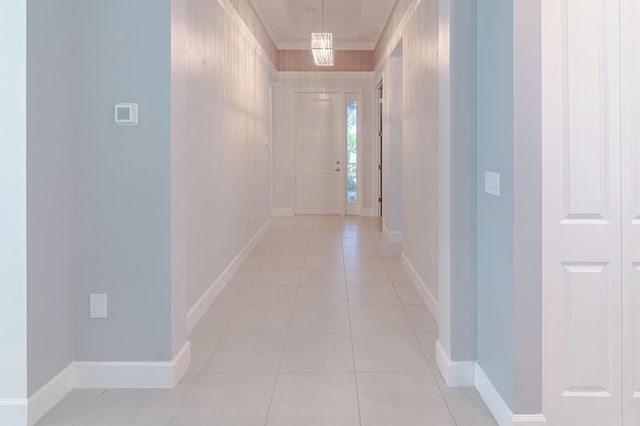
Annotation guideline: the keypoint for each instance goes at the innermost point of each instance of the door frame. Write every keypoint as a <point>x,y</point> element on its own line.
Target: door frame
<point>379,132</point>
<point>342,205</point>
<point>630,134</point>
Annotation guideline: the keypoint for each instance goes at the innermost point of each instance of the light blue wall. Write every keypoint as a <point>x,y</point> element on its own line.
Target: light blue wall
<point>495,214</point>
<point>50,246</point>
<point>463,181</point>
<point>123,200</point>
<point>13,208</point>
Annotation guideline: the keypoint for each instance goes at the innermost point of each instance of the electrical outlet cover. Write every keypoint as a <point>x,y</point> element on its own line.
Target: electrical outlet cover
<point>98,305</point>
<point>492,183</point>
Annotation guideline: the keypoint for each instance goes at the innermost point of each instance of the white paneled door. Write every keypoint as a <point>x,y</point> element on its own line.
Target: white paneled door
<point>582,290</point>
<point>319,134</point>
<point>630,60</point>
<point>591,163</point>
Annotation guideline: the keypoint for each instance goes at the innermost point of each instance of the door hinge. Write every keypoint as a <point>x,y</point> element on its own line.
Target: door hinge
<point>380,199</point>
<point>380,167</point>
<point>380,134</point>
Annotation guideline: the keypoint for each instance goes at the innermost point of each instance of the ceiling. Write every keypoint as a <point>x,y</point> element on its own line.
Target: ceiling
<point>356,24</point>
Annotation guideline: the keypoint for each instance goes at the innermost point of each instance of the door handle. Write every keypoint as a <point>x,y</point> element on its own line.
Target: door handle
<point>336,170</point>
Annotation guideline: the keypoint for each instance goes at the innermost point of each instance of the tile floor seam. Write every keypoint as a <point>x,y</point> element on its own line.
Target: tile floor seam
<point>200,372</point>
<point>413,327</point>
<point>184,398</point>
<point>444,398</point>
<point>434,371</point>
<point>81,415</point>
<point>353,351</point>
<point>284,347</point>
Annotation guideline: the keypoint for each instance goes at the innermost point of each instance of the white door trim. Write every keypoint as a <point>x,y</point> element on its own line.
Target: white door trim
<point>630,68</point>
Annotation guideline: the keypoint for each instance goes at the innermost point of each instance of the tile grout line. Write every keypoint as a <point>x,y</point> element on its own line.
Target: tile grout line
<point>353,351</point>
<point>444,398</point>
<point>201,371</point>
<point>286,339</point>
<point>83,412</point>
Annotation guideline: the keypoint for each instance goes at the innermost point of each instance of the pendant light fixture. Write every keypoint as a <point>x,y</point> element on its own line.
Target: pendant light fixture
<point>322,46</point>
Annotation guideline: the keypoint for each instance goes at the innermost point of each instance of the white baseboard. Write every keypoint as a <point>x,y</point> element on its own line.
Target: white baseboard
<point>95,375</point>
<point>427,296</point>
<point>13,411</point>
<point>181,363</point>
<point>282,212</point>
<point>367,212</point>
<point>203,304</point>
<point>455,373</point>
<point>132,375</point>
<point>50,394</point>
<point>391,235</point>
<point>530,419</point>
<point>500,410</point>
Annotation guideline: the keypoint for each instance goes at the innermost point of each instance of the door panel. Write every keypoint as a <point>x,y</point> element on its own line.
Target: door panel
<point>582,337</point>
<point>319,147</point>
<point>587,288</point>
<point>630,72</point>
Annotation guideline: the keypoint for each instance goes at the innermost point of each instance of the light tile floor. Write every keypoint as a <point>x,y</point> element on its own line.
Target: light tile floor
<point>320,326</point>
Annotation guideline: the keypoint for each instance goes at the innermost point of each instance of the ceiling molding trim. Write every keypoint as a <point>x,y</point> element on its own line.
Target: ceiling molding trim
<point>337,45</point>
<point>396,35</point>
<point>324,75</point>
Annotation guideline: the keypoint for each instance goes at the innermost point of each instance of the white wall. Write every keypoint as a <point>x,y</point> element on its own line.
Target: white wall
<point>392,158</point>
<point>50,198</point>
<point>179,152</point>
<point>13,212</point>
<point>221,119</point>
<point>284,90</point>
<point>420,142</point>
<point>528,172</point>
<point>414,23</point>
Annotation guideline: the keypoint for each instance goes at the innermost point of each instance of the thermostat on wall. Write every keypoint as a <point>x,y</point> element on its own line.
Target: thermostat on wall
<point>126,114</point>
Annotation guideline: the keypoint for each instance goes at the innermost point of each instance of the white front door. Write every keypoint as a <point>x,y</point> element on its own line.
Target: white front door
<point>582,289</point>
<point>630,59</point>
<point>320,133</point>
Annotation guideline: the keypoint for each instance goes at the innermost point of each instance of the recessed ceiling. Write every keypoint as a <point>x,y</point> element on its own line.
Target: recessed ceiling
<point>355,24</point>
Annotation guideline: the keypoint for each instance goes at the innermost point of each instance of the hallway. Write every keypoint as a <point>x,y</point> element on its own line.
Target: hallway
<point>320,326</point>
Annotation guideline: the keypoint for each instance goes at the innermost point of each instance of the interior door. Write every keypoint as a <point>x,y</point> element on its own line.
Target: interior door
<point>320,153</point>
<point>582,290</point>
<point>630,60</point>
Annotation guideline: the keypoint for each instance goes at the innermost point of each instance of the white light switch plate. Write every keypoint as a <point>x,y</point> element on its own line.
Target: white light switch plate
<point>492,183</point>
<point>98,305</point>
